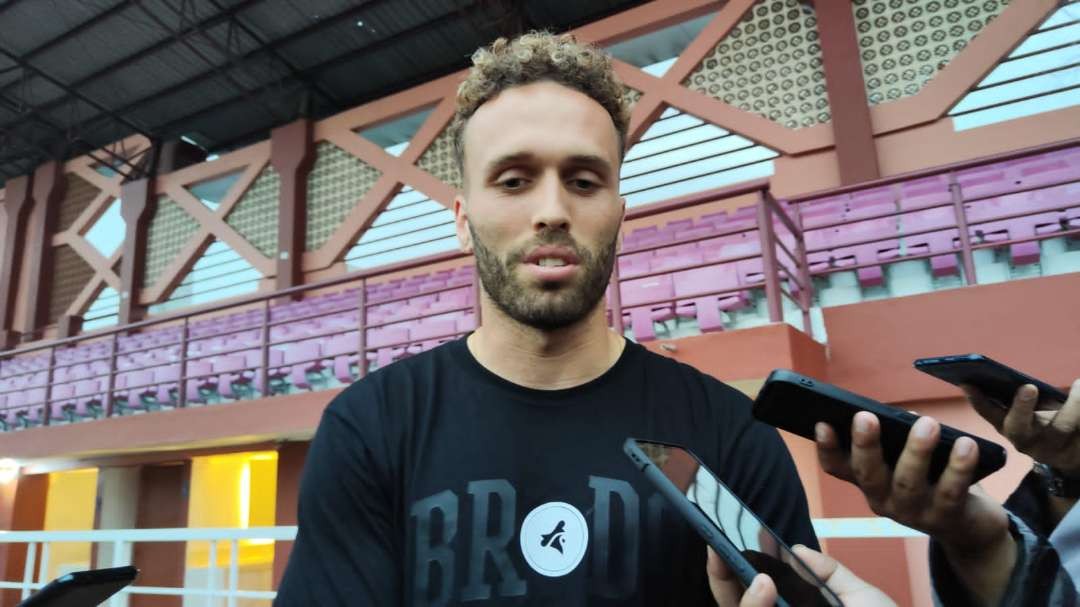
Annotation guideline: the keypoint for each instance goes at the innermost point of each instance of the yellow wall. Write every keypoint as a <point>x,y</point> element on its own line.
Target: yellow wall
<point>70,506</point>
<point>233,490</point>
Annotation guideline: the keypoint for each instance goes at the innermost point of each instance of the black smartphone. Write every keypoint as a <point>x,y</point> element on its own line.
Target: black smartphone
<point>745,543</point>
<point>796,403</point>
<point>82,588</point>
<point>997,382</point>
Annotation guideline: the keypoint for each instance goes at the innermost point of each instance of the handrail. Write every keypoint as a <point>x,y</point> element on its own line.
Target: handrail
<point>937,170</point>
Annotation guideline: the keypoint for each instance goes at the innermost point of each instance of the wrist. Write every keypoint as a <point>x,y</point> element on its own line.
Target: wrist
<point>985,572</point>
<point>1059,483</point>
<point>967,553</point>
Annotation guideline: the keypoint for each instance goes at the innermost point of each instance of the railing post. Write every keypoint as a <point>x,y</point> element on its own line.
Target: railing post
<point>211,574</point>
<point>361,334</point>
<point>28,568</point>
<point>182,389</point>
<point>234,570</point>
<point>616,298</point>
<point>43,567</point>
<point>768,259</point>
<point>476,295</point>
<point>264,351</point>
<point>111,379</point>
<point>806,296</point>
<point>49,385</point>
<point>966,255</point>
<point>120,599</point>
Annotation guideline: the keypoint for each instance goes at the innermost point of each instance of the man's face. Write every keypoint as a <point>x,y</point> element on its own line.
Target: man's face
<point>541,207</point>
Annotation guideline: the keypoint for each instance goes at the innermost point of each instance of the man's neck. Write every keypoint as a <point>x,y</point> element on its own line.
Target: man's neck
<point>545,360</point>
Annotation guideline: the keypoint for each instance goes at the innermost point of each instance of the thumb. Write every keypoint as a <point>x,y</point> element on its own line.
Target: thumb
<point>725,588</point>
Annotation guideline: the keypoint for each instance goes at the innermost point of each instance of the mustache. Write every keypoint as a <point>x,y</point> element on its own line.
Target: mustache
<point>552,238</point>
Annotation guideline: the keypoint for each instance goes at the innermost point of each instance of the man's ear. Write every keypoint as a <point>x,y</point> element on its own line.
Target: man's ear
<point>461,225</point>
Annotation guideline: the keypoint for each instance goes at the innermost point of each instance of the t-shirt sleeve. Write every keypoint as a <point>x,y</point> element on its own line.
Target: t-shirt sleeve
<point>760,470</point>
<point>347,549</point>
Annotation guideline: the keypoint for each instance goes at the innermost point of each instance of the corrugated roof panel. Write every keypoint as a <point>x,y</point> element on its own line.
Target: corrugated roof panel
<point>71,112</point>
<point>167,109</point>
<point>38,22</point>
<point>146,75</point>
<point>34,91</point>
<point>102,44</point>
<point>277,19</point>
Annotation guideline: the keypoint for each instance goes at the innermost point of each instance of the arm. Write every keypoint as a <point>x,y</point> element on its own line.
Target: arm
<point>1036,580</point>
<point>971,528</point>
<point>347,549</point>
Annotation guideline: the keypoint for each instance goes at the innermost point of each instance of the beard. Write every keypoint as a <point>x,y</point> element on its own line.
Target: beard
<point>548,306</point>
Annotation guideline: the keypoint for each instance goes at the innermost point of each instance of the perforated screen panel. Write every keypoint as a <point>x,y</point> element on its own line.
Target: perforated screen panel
<point>769,64</point>
<point>336,183</point>
<point>255,215</point>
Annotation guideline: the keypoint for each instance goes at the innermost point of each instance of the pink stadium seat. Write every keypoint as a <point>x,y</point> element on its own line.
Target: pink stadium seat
<point>841,253</point>
<point>139,386</point>
<point>664,263</point>
<point>941,241</point>
<point>654,290</point>
<point>305,358</point>
<point>343,350</point>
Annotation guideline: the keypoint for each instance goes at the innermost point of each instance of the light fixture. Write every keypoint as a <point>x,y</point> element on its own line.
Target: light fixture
<point>360,23</point>
<point>9,470</point>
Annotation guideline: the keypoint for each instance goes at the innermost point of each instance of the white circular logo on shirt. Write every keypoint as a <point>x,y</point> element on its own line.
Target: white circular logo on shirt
<point>553,538</point>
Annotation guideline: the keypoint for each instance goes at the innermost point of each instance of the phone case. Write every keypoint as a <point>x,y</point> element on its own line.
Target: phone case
<point>793,402</point>
<point>81,588</point>
<point>719,542</point>
<point>997,381</point>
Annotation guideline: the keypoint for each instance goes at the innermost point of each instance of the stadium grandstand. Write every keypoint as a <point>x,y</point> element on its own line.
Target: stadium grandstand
<point>217,214</point>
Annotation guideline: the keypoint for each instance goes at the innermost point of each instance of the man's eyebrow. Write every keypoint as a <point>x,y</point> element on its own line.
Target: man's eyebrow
<point>508,160</point>
<point>590,161</point>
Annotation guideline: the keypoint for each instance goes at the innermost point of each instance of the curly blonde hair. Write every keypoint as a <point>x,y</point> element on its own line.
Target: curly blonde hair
<point>535,57</point>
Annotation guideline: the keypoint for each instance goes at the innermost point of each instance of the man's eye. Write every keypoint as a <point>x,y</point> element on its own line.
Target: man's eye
<point>512,183</point>
<point>584,185</point>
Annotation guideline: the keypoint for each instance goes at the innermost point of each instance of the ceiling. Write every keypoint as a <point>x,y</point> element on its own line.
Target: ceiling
<point>75,76</point>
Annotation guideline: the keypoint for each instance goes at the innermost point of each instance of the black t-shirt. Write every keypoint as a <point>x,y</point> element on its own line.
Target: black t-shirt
<point>424,477</point>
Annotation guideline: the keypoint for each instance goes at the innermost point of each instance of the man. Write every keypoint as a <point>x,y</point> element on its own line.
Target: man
<point>490,470</point>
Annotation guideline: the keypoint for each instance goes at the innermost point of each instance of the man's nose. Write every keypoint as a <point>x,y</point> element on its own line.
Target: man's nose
<point>552,207</point>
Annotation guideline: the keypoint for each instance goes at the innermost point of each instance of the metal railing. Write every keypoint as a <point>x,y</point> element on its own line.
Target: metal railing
<point>958,203</point>
<point>121,541</point>
<point>184,322</point>
<point>38,543</point>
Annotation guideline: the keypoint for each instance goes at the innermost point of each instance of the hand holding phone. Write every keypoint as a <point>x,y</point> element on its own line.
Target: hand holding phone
<point>727,525</point>
<point>995,382</point>
<point>1050,437</point>
<point>794,402</point>
<point>972,527</point>
<point>849,588</point>
<point>1038,419</point>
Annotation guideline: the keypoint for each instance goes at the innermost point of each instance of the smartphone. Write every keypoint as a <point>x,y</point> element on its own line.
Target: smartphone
<point>996,381</point>
<point>796,403</point>
<point>745,543</point>
<point>82,588</point>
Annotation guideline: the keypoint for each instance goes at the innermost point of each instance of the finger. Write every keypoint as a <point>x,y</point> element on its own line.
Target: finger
<point>951,492</point>
<point>867,463</point>
<point>725,588</point>
<point>1067,418</point>
<point>1019,425</point>
<point>830,455</point>
<point>989,411</point>
<point>910,491</point>
<point>839,578</point>
<point>760,593</point>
